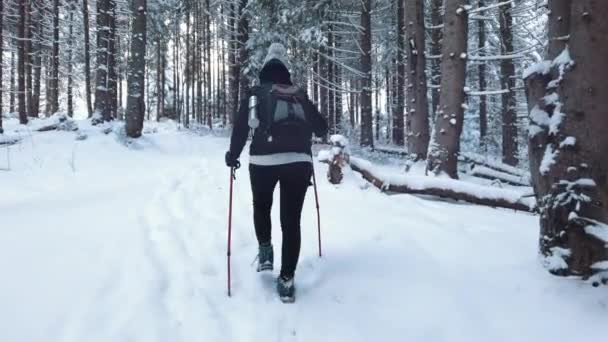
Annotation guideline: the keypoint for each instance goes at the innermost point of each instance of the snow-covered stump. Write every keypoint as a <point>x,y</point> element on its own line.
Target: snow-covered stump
<point>337,157</point>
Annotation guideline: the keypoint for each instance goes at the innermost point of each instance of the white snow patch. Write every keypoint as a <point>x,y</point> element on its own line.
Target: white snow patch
<point>568,141</point>
<point>556,261</point>
<point>548,160</point>
<point>542,68</point>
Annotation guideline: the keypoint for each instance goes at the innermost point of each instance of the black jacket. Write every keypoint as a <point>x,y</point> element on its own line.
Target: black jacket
<point>273,72</point>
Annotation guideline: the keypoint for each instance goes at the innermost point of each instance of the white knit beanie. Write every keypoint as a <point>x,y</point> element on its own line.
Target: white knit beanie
<point>277,51</point>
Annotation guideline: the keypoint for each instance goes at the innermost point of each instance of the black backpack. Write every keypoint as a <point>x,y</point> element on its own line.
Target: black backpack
<point>284,122</point>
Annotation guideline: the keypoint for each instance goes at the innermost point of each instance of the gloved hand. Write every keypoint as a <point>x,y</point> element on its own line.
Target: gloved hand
<point>231,161</point>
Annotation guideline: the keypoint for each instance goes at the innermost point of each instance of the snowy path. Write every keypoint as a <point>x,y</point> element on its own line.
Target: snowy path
<point>140,256</point>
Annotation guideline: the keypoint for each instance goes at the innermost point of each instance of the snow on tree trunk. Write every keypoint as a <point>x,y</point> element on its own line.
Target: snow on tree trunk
<point>509,104</point>
<point>417,119</point>
<point>568,144</point>
<point>445,143</point>
<point>136,71</point>
<point>398,93</point>
<point>21,64</point>
<point>367,130</point>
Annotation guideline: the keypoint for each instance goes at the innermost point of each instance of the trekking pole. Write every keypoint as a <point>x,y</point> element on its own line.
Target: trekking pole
<point>232,177</point>
<point>314,182</point>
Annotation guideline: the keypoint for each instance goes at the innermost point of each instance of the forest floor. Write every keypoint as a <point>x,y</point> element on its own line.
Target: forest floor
<point>100,241</point>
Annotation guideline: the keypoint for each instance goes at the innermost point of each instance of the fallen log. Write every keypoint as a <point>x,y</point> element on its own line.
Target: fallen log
<point>8,141</point>
<point>443,187</point>
<point>491,174</point>
<point>477,159</point>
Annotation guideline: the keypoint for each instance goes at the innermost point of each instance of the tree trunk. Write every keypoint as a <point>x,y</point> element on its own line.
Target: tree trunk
<point>417,120</point>
<point>243,37</point>
<point>443,151</point>
<point>331,92</point>
<point>21,64</point>
<point>436,45</point>
<point>137,68</point>
<point>35,99</point>
<point>87,57</point>
<point>11,99</point>
<point>54,82</point>
<point>483,104</point>
<point>367,131</point>
<point>29,23</point>
<point>568,142</point>
<point>507,70</point>
<point>399,79</point>
<point>112,69</point>
<point>1,63</point>
<point>102,91</point>
<point>70,53</point>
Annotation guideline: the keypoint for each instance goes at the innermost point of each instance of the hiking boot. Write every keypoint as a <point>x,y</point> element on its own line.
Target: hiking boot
<point>265,257</point>
<point>286,289</point>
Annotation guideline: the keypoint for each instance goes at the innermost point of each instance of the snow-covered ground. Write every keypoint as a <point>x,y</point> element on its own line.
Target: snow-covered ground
<point>104,242</point>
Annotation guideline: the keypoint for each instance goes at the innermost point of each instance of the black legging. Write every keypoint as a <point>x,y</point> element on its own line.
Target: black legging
<point>294,180</point>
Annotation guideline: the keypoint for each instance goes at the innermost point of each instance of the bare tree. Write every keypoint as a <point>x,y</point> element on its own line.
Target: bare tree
<point>568,143</point>
<point>483,99</point>
<point>1,61</point>
<point>367,131</point>
<point>53,93</point>
<point>436,35</point>
<point>87,56</point>
<point>21,37</point>
<point>444,148</point>
<point>507,68</point>
<point>136,73</point>
<point>417,119</point>
<point>399,78</point>
<point>105,91</point>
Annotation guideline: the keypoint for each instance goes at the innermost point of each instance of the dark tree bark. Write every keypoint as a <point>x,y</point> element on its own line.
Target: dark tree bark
<point>35,98</point>
<point>70,53</point>
<point>367,130</point>
<point>87,57</point>
<point>323,85</point>
<point>331,91</point>
<point>1,63</point>
<point>417,120</point>
<point>103,107</point>
<point>338,94</point>
<point>436,35</point>
<point>507,70</point>
<point>112,58</point>
<point>21,63</point>
<point>399,79</point>
<point>568,143</point>
<point>11,99</point>
<point>53,96</point>
<point>483,99</point>
<point>29,24</point>
<point>243,37</point>
<point>136,71</point>
<point>443,152</point>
